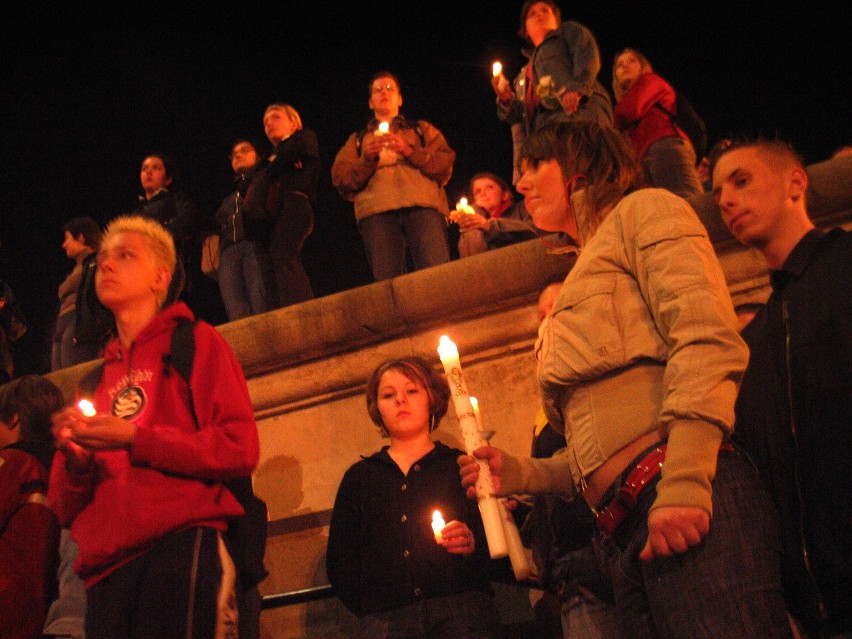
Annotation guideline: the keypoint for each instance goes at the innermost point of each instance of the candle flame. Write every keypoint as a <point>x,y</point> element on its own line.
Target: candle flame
<point>497,69</point>
<point>447,348</point>
<point>87,408</point>
<point>437,525</point>
<point>384,127</point>
<point>462,202</point>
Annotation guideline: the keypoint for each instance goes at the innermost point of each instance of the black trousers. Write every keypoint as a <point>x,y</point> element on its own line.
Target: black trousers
<point>168,593</point>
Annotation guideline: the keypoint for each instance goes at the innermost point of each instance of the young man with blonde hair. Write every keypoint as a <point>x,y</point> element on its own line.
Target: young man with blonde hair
<point>140,482</point>
<point>793,412</point>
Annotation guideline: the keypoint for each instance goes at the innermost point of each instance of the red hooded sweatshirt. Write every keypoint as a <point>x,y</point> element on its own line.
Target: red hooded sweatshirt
<point>171,478</point>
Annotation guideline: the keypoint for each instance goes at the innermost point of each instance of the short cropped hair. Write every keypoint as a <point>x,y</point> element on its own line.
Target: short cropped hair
<point>33,399</point>
<point>383,74</point>
<point>87,227</point>
<point>503,184</point>
<point>525,9</point>
<point>159,240</point>
<point>418,371</point>
<point>288,109</point>
<point>778,153</point>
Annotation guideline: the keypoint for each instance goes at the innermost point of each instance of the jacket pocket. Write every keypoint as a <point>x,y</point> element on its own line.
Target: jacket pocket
<point>583,337</point>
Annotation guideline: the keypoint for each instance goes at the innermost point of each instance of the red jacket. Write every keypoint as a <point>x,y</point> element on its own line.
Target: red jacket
<point>644,123</point>
<point>171,478</point>
<point>29,544</point>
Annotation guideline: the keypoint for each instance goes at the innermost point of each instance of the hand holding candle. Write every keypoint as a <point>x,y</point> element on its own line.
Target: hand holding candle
<point>437,526</point>
<point>489,508</point>
<point>517,554</point>
<point>499,82</point>
<point>462,208</point>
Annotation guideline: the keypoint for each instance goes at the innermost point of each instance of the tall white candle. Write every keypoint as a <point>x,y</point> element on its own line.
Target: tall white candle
<point>517,552</point>
<point>489,507</point>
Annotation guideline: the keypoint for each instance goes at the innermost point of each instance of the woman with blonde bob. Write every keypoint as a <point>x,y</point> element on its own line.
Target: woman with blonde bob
<point>639,364</point>
<point>383,558</point>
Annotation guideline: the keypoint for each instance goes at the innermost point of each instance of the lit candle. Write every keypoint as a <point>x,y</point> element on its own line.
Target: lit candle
<point>489,507</point>
<point>475,403</point>
<point>383,129</point>
<point>437,526</point>
<point>464,207</point>
<point>502,82</point>
<point>87,408</point>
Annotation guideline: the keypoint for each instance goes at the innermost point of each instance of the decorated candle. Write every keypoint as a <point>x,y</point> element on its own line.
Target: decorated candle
<point>489,507</point>
<point>517,554</point>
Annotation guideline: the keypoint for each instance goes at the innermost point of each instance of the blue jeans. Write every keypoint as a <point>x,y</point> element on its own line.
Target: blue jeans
<point>467,615</point>
<point>241,280</point>
<point>669,163</point>
<point>387,235</point>
<point>727,586</point>
<point>65,351</point>
<point>587,609</point>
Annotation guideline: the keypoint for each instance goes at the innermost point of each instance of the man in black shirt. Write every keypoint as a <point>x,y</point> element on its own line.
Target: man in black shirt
<point>793,412</point>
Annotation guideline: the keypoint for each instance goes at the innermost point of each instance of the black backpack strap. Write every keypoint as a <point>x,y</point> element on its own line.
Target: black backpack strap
<point>671,115</point>
<point>89,382</point>
<point>181,357</point>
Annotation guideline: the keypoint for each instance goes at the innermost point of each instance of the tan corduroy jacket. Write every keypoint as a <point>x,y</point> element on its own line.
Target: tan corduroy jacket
<point>642,335</point>
<point>377,187</point>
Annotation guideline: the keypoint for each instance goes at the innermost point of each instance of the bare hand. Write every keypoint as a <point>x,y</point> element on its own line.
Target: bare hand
<point>373,148</point>
<point>673,529</point>
<point>397,144</point>
<point>469,468</point>
<point>65,422</point>
<point>457,538</point>
<point>104,432</point>
<point>470,222</point>
<point>504,92</point>
<point>571,101</point>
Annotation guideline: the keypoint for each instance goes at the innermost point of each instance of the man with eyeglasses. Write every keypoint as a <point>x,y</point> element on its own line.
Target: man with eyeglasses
<point>394,171</point>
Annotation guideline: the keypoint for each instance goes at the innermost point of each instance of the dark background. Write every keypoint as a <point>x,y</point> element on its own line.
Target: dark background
<point>88,91</point>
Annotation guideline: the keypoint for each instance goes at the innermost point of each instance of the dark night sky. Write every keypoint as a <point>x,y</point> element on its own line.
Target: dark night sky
<point>87,92</point>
